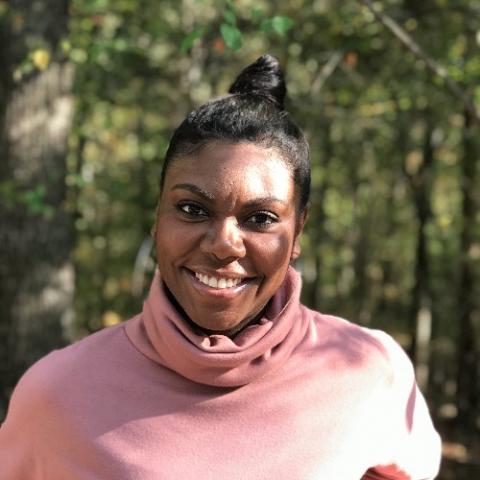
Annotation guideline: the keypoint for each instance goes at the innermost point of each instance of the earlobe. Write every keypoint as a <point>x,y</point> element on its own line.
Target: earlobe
<point>297,249</point>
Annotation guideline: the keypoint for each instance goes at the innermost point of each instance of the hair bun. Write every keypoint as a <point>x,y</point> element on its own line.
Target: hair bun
<point>263,77</point>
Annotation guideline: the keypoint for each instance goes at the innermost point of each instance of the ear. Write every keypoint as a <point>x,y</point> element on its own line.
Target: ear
<point>297,249</point>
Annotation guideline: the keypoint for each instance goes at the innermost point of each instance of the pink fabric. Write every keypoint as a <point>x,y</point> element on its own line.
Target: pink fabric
<point>163,336</point>
<point>299,396</point>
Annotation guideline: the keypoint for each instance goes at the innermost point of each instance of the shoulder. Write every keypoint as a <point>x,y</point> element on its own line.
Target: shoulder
<point>55,373</point>
<point>89,349</point>
<point>50,398</point>
<point>355,346</point>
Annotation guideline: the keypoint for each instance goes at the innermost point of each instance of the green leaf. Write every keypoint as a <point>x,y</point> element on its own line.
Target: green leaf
<point>230,17</point>
<point>231,36</point>
<point>266,25</point>
<point>34,199</point>
<point>282,24</point>
<point>189,40</point>
<point>277,24</point>
<point>257,14</point>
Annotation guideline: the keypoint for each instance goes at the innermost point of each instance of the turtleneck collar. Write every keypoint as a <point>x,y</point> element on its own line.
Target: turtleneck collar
<point>162,334</point>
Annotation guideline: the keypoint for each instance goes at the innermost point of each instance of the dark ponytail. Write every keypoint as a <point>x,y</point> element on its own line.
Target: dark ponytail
<point>254,112</point>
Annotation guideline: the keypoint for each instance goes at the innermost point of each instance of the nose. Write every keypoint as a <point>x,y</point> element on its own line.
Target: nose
<point>224,240</point>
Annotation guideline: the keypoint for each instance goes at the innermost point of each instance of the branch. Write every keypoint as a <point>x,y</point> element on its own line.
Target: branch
<point>327,70</point>
<point>431,64</point>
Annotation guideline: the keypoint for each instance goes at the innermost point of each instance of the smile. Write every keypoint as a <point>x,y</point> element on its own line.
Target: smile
<point>217,282</point>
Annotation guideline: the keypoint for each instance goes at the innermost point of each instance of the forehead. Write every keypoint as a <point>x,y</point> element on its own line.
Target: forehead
<point>223,169</point>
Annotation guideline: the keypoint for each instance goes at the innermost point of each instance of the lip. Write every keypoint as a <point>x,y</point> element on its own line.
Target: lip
<point>227,293</point>
<point>227,274</point>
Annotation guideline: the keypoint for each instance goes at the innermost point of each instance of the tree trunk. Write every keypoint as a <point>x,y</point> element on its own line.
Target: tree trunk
<point>36,274</point>
<point>468,368</point>
<point>419,172</point>
<point>312,291</point>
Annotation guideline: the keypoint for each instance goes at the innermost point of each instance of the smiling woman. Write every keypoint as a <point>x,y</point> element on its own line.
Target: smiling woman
<point>225,374</point>
<point>224,242</point>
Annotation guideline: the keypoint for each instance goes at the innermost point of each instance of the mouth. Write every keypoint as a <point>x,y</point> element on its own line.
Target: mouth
<point>217,282</point>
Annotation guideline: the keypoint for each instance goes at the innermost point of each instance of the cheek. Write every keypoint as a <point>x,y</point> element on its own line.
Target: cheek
<point>171,241</point>
<point>275,252</point>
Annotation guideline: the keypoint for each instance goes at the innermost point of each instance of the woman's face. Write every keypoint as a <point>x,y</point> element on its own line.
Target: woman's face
<point>227,228</point>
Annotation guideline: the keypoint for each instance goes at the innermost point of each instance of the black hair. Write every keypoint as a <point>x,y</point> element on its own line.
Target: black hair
<point>253,112</point>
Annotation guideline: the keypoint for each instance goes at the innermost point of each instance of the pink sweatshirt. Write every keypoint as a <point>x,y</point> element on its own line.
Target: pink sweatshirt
<point>300,396</point>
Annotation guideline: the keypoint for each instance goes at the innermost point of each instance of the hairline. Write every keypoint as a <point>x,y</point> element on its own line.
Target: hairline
<point>263,144</point>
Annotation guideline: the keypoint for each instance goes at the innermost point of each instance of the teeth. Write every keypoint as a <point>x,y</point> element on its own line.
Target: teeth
<point>219,283</point>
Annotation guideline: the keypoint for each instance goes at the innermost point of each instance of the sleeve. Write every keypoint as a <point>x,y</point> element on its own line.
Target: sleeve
<point>410,447</point>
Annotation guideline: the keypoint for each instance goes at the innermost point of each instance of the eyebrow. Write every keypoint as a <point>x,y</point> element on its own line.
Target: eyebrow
<point>194,189</point>
<point>263,200</point>
<point>209,196</point>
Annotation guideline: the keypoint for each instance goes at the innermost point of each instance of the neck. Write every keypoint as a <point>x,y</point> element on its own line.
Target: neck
<point>204,331</point>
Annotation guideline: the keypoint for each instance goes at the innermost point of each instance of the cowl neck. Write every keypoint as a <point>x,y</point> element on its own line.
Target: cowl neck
<point>162,334</point>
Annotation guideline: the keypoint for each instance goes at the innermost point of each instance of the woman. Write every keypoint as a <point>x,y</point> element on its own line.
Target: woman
<point>224,374</point>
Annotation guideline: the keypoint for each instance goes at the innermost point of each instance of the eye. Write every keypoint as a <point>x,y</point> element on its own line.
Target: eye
<point>263,219</point>
<point>192,209</point>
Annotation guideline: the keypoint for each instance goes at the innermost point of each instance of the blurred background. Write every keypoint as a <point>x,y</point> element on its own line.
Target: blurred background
<point>91,90</point>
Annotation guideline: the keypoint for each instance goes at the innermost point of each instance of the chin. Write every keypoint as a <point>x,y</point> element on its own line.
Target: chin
<point>219,328</point>
<point>223,325</point>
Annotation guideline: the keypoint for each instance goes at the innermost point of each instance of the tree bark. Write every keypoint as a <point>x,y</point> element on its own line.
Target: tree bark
<point>468,373</point>
<point>312,290</point>
<point>36,274</point>
<point>420,178</point>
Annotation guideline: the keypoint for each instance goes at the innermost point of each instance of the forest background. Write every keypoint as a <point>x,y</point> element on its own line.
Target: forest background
<point>387,92</point>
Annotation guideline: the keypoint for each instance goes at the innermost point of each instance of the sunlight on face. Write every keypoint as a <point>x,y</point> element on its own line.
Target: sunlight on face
<point>227,229</point>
